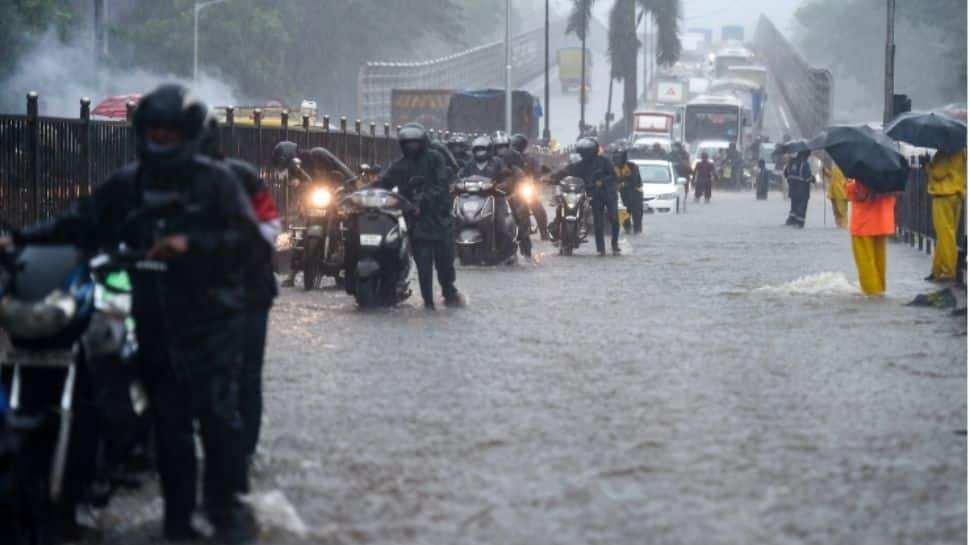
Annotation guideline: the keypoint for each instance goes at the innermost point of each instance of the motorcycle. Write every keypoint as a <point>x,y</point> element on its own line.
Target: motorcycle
<point>318,244</point>
<point>572,213</point>
<point>377,247</point>
<point>486,229</point>
<point>67,326</point>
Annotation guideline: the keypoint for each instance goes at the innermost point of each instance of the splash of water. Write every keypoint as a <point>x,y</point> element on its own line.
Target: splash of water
<point>823,283</point>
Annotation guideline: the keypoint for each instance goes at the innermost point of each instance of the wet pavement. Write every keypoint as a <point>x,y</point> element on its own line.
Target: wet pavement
<point>720,383</point>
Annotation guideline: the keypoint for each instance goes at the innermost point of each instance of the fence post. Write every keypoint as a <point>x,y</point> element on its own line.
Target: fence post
<point>233,148</point>
<point>258,119</point>
<point>360,142</point>
<point>373,143</point>
<point>130,118</point>
<point>326,131</point>
<point>306,131</point>
<point>342,154</point>
<point>387,142</point>
<point>86,144</point>
<point>33,139</point>
<point>285,124</point>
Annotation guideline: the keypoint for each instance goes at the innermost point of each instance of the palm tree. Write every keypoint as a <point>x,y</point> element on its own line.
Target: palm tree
<point>623,42</point>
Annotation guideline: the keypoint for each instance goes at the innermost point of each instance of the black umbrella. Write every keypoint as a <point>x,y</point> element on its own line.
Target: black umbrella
<point>866,154</point>
<point>929,130</point>
<point>792,146</point>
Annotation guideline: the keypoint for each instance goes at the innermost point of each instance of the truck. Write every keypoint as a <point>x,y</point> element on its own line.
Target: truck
<point>426,106</point>
<point>570,60</point>
<point>483,111</point>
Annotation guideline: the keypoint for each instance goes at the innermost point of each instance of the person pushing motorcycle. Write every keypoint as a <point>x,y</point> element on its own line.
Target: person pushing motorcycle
<point>597,172</point>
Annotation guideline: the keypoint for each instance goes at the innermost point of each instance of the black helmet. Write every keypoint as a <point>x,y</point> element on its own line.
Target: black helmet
<point>168,108</point>
<point>619,155</point>
<point>500,141</point>
<point>482,148</point>
<point>413,139</point>
<point>587,148</point>
<point>283,153</point>
<point>519,142</point>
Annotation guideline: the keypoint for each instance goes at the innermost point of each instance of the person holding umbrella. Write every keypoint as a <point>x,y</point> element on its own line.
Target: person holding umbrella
<point>836,194</point>
<point>947,185</point>
<point>947,178</point>
<point>872,220</point>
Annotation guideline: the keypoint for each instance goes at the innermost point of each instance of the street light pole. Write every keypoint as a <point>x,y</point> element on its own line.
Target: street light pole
<point>889,89</point>
<point>546,135</point>
<point>508,67</point>
<point>197,8</point>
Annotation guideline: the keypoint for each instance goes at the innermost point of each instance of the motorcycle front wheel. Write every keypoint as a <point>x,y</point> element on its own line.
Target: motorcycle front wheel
<point>311,263</point>
<point>568,238</point>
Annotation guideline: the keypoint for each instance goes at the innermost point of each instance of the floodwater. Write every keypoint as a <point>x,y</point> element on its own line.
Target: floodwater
<point>722,382</point>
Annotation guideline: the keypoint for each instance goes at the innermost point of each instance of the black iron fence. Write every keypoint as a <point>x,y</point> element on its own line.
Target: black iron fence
<point>914,216</point>
<point>47,162</point>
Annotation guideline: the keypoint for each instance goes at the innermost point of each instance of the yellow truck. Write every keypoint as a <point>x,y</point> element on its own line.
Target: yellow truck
<point>570,68</point>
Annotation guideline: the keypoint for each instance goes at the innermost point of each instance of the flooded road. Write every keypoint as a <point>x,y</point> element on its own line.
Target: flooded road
<point>720,383</point>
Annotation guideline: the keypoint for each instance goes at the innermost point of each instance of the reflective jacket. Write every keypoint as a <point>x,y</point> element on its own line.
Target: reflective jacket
<point>872,214</point>
<point>947,173</point>
<point>836,188</point>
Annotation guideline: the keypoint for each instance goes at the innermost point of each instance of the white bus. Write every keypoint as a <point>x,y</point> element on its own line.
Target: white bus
<point>716,118</point>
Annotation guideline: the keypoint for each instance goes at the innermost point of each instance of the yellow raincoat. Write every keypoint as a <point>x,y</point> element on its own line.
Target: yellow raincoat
<point>836,194</point>
<point>947,184</point>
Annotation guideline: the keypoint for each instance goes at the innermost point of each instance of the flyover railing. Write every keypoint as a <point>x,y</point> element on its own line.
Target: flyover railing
<point>808,91</point>
<point>476,68</point>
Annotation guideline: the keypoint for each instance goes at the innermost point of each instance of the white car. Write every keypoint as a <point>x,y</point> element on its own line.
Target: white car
<point>646,141</point>
<point>663,192</point>
<point>711,147</point>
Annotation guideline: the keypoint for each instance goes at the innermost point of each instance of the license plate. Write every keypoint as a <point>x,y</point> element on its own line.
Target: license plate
<point>370,240</point>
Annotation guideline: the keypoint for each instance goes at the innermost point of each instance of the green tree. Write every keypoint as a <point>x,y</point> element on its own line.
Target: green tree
<point>22,20</point>
<point>623,42</point>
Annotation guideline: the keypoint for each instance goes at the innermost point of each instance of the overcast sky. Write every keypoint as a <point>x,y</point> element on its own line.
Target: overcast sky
<point>716,13</point>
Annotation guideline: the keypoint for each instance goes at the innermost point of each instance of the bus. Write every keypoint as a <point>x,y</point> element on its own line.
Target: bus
<point>726,57</point>
<point>716,118</point>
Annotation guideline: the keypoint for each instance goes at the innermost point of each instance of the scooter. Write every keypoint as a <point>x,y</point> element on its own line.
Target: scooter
<point>377,247</point>
<point>572,214</point>
<point>56,330</point>
<point>486,229</point>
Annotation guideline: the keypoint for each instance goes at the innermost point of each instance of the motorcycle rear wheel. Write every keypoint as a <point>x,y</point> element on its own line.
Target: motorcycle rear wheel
<point>367,292</point>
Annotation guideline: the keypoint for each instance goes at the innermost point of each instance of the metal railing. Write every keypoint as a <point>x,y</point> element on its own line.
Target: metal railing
<point>48,162</point>
<point>808,91</point>
<point>914,216</point>
<point>476,68</point>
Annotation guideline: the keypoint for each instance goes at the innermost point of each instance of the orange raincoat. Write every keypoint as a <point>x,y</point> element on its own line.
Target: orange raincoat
<point>872,218</point>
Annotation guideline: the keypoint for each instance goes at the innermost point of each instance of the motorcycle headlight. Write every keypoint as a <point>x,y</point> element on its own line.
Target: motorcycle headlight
<point>527,190</point>
<point>320,198</point>
<point>572,199</point>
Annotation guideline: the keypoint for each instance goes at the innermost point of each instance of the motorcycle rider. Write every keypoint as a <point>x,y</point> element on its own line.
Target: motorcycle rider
<point>502,146</point>
<point>190,211</point>
<point>597,172</point>
<point>260,289</point>
<point>631,187</point>
<point>520,143</point>
<point>421,176</point>
<point>484,163</point>
<point>320,164</point>
<point>460,148</point>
